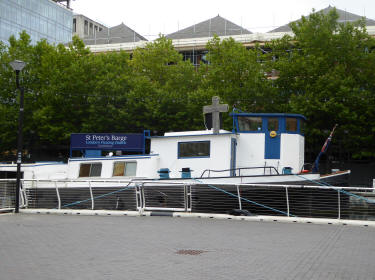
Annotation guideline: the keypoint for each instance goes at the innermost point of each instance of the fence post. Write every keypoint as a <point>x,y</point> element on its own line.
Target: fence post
<point>139,197</point>
<point>187,197</point>
<point>58,196</point>
<point>287,200</point>
<point>339,204</point>
<point>143,199</point>
<point>190,200</point>
<point>239,197</point>
<point>92,197</point>
<point>22,187</point>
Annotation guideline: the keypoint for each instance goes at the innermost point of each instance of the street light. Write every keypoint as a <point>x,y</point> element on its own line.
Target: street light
<point>17,66</point>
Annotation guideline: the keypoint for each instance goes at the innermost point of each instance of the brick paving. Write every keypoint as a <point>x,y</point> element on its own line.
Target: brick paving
<point>95,247</point>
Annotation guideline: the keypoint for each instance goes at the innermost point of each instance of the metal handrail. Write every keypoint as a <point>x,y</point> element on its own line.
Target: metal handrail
<point>190,198</point>
<point>239,170</point>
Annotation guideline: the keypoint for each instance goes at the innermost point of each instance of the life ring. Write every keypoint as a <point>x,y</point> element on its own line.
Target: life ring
<point>273,134</point>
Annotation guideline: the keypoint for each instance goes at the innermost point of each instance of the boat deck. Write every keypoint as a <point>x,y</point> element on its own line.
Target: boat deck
<point>97,247</point>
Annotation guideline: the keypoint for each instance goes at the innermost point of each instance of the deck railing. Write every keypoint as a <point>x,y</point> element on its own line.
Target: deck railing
<point>193,196</point>
<point>7,195</point>
<point>264,170</point>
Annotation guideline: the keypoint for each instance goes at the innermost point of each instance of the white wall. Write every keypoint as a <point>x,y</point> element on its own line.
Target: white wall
<point>292,151</point>
<point>250,152</point>
<point>146,166</point>
<point>220,154</point>
<point>251,148</point>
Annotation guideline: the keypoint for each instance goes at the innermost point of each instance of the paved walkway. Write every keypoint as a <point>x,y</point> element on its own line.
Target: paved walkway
<point>93,247</point>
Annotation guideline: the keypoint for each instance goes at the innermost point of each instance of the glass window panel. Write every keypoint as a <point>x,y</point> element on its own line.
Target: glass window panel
<point>131,169</point>
<point>194,149</point>
<point>291,124</point>
<point>84,170</point>
<point>86,28</point>
<point>273,124</point>
<point>96,170</point>
<point>118,169</point>
<point>250,123</point>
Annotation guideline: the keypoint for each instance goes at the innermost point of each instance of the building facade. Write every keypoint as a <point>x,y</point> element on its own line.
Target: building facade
<point>95,33</point>
<point>41,19</point>
<point>85,27</point>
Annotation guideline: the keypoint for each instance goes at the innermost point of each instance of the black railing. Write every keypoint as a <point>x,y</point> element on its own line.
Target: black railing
<point>234,171</point>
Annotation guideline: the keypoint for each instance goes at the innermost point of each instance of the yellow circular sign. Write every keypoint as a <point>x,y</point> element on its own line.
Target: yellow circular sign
<point>273,134</point>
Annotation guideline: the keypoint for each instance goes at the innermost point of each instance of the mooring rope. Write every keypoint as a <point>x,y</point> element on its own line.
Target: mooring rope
<point>100,196</point>
<point>325,184</point>
<point>245,199</point>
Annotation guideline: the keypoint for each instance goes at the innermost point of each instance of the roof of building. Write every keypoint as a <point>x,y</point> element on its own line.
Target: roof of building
<point>213,26</point>
<point>344,16</point>
<point>116,34</point>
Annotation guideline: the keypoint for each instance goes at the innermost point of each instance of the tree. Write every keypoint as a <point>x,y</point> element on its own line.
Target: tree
<point>326,74</point>
<point>237,75</point>
<point>163,83</point>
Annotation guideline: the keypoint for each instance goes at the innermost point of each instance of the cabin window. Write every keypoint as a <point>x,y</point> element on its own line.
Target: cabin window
<point>122,168</point>
<point>90,170</point>
<point>291,124</point>
<point>273,124</point>
<point>250,123</point>
<point>194,149</point>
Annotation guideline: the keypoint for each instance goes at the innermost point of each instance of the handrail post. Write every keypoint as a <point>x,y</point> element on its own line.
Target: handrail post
<point>143,199</point>
<point>136,196</point>
<point>287,200</point>
<point>239,197</point>
<point>21,193</point>
<point>187,197</point>
<point>339,204</point>
<point>190,199</point>
<point>92,197</point>
<point>58,196</point>
<point>139,197</point>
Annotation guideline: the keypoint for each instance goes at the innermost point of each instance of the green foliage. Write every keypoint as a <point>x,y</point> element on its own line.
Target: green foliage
<point>326,73</point>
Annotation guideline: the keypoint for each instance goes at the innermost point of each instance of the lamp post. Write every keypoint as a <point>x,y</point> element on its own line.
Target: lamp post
<point>17,66</point>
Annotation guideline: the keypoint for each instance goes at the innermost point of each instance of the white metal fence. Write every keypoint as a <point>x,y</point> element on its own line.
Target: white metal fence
<point>242,199</point>
<point>7,195</point>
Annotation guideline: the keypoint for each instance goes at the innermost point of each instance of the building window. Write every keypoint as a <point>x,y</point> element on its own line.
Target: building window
<point>194,149</point>
<point>74,25</point>
<point>86,28</point>
<point>122,168</point>
<point>91,29</point>
<point>291,124</point>
<point>250,123</point>
<point>90,170</point>
<point>273,124</point>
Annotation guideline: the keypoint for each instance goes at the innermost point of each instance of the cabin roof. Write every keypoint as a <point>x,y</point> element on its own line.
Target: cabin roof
<point>193,133</point>
<point>284,115</point>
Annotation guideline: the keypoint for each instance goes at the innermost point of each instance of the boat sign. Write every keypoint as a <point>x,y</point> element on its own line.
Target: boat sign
<point>107,141</point>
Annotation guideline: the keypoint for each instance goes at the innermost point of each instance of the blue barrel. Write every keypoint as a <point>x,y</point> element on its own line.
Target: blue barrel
<point>164,173</point>
<point>287,170</point>
<point>185,172</point>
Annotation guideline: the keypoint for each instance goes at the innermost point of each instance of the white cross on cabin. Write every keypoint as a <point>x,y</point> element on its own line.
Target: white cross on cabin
<point>215,109</point>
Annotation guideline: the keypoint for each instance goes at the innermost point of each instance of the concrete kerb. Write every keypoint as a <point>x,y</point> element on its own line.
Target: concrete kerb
<point>6,210</point>
<point>281,219</point>
<point>84,212</point>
